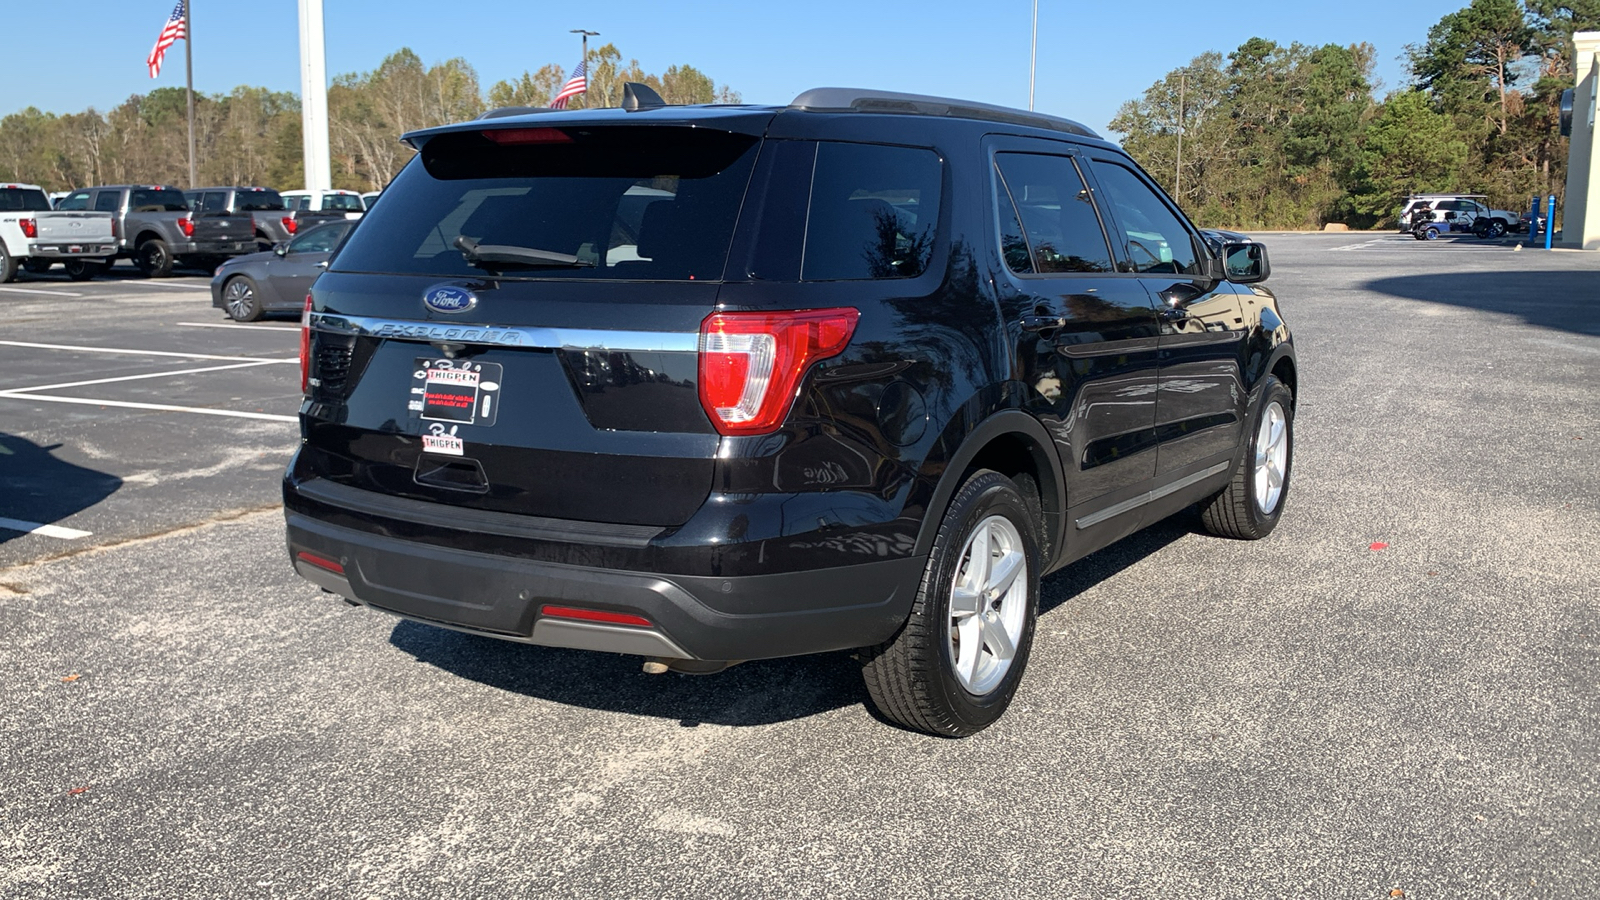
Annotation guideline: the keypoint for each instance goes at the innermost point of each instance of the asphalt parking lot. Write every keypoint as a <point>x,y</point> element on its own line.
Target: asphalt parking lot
<point>1398,691</point>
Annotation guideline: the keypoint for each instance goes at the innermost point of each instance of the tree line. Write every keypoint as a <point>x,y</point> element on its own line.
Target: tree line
<point>252,136</point>
<point>1270,136</point>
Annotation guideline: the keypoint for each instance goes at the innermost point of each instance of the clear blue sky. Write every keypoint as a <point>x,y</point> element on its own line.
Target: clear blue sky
<point>1093,55</point>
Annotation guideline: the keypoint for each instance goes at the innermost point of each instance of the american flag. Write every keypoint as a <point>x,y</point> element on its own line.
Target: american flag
<point>171,33</point>
<point>577,84</point>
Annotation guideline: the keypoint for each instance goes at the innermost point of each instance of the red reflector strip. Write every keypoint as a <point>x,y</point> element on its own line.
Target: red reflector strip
<point>320,562</point>
<point>593,615</point>
<point>528,136</point>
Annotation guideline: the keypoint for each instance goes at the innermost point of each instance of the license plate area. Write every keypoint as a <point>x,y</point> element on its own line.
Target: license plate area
<point>455,391</point>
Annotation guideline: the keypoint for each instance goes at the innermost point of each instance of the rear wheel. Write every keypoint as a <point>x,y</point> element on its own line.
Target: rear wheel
<point>239,299</point>
<point>154,258</point>
<point>956,662</point>
<point>1495,228</point>
<point>84,269</point>
<point>8,266</point>
<point>1249,507</point>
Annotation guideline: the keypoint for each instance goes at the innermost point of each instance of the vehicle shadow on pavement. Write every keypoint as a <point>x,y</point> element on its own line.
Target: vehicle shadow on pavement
<point>1560,300</point>
<point>762,692</point>
<point>1063,586</point>
<point>37,487</point>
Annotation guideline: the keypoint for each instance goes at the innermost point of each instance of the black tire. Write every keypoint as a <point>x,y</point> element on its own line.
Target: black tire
<point>36,266</point>
<point>1495,229</point>
<point>241,300</point>
<point>84,269</point>
<point>154,258</point>
<point>912,678</point>
<point>8,266</point>
<point>1237,511</point>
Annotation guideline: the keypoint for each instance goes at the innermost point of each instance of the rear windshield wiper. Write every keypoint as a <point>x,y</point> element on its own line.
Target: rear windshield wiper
<point>521,256</point>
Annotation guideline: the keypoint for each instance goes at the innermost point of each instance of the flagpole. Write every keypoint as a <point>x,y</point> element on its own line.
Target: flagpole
<point>586,73</point>
<point>188,65</point>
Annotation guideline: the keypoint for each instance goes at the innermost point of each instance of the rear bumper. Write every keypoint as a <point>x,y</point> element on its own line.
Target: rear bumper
<point>71,250</point>
<point>692,616</point>
<point>216,248</point>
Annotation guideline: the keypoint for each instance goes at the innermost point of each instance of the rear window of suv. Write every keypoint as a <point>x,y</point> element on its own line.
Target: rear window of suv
<point>633,203</point>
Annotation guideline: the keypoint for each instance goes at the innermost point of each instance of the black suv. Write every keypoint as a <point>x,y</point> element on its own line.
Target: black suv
<point>718,383</point>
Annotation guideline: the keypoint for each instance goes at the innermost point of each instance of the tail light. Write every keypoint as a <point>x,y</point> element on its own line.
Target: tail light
<point>30,227</point>
<point>289,224</point>
<point>305,346</point>
<point>751,363</point>
<point>186,225</point>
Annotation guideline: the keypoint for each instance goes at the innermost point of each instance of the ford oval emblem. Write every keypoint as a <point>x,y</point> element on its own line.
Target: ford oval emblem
<point>448,299</point>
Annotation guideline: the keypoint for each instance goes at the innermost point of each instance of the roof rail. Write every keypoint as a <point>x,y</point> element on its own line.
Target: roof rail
<point>860,100</point>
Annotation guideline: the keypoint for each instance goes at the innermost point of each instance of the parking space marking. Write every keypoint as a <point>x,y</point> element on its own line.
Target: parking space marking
<point>164,285</point>
<point>158,407</point>
<point>226,325</point>
<point>55,531</point>
<point>128,352</point>
<point>36,291</point>
<point>73,384</point>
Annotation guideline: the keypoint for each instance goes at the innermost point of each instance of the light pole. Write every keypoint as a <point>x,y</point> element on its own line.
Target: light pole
<point>1033,58</point>
<point>585,59</point>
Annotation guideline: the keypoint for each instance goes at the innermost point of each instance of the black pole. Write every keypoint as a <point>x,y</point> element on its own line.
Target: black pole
<point>188,66</point>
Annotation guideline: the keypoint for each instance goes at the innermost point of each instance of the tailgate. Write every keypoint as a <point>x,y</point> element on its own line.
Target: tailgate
<point>74,227</point>
<point>224,228</point>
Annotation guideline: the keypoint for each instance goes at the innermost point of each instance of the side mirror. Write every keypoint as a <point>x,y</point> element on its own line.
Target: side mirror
<point>1246,262</point>
<point>281,248</point>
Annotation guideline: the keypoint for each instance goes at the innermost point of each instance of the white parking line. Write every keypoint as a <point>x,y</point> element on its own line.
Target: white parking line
<point>55,531</point>
<point>164,285</point>
<point>128,352</point>
<point>226,325</point>
<point>46,293</point>
<point>159,407</point>
<point>72,384</point>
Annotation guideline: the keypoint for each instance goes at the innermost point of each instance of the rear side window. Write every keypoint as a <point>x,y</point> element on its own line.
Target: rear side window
<point>107,201</point>
<point>214,202</point>
<point>1058,214</point>
<point>23,200</point>
<point>257,201</point>
<point>157,200</point>
<point>627,202</point>
<point>320,240</point>
<point>874,212</point>
<point>1152,236</point>
<point>78,200</point>
<point>346,202</point>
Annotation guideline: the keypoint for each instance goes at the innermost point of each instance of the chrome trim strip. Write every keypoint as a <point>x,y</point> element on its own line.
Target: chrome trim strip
<point>506,336</point>
<point>1133,503</point>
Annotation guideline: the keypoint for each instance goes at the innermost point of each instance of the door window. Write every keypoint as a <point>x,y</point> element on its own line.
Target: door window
<point>874,212</point>
<point>1152,237</point>
<point>214,203</point>
<point>76,200</point>
<point>1058,216</point>
<point>107,201</point>
<point>319,240</point>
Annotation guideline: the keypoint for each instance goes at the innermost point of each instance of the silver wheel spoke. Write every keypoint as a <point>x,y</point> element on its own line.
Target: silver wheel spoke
<point>990,601</point>
<point>965,601</point>
<point>978,557</point>
<point>971,649</point>
<point>1004,572</point>
<point>996,639</point>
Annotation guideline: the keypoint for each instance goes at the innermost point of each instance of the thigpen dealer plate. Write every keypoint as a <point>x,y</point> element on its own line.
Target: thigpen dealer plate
<point>453,392</point>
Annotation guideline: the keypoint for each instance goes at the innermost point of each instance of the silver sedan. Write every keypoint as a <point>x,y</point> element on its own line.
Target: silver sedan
<point>247,286</point>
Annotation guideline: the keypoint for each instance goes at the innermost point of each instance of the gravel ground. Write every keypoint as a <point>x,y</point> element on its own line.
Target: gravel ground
<point>1299,717</point>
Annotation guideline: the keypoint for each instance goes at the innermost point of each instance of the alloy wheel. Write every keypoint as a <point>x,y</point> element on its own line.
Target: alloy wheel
<point>239,298</point>
<point>1272,458</point>
<point>988,605</point>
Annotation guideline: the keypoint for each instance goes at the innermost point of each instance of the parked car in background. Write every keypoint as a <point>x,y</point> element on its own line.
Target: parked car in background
<point>55,197</point>
<point>861,371</point>
<point>247,286</point>
<point>35,237</point>
<point>273,221</point>
<point>157,230</point>
<point>346,202</point>
<point>1460,212</point>
<point>369,198</point>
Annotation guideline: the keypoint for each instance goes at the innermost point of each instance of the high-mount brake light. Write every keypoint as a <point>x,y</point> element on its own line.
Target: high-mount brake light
<point>289,224</point>
<point>593,615</point>
<point>186,225</point>
<point>528,136</point>
<point>30,227</point>
<point>305,346</point>
<point>751,363</point>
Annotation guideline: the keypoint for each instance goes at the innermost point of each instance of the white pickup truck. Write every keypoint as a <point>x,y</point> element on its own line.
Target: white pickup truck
<point>34,236</point>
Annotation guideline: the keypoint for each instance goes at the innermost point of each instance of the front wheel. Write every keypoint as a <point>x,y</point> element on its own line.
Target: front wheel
<point>239,299</point>
<point>955,664</point>
<point>1250,506</point>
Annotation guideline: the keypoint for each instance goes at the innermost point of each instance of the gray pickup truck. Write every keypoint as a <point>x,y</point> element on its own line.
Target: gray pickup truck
<point>157,230</point>
<point>274,222</point>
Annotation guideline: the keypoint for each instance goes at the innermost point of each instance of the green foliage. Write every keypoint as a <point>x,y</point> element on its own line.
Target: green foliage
<point>1409,149</point>
<point>252,136</point>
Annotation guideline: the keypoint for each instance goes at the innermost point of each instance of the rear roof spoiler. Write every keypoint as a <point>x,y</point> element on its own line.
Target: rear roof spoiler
<point>858,100</point>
